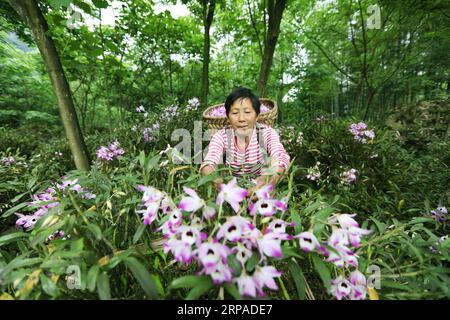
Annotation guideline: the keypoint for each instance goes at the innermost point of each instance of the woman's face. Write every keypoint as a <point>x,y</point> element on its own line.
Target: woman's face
<point>242,116</point>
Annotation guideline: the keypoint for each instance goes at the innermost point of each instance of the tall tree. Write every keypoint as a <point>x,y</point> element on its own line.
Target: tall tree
<point>30,13</point>
<point>208,7</point>
<point>275,11</point>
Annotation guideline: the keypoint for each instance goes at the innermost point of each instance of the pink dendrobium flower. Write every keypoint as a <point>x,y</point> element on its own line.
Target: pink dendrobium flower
<point>345,220</point>
<point>348,177</point>
<point>357,278</point>
<point>77,188</point>
<point>55,235</point>
<point>354,235</point>
<point>167,205</point>
<point>282,204</point>
<point>358,293</point>
<point>242,253</point>
<point>66,183</point>
<point>350,228</point>
<point>360,133</point>
<point>440,214</point>
<point>191,234</point>
<point>208,212</point>
<point>351,259</point>
<point>150,195</point>
<point>211,254</point>
<point>265,207</point>
<point>247,285</point>
<point>26,221</point>
<point>278,226</point>
<point>223,273</point>
<point>442,210</point>
<point>335,258</point>
<point>232,194</point>
<point>270,244</point>
<point>264,277</point>
<point>149,214</point>
<point>308,241</point>
<point>7,161</point>
<point>264,192</point>
<point>359,283</point>
<point>340,287</point>
<point>169,227</point>
<point>338,237</point>
<point>110,152</point>
<point>342,256</point>
<point>192,203</point>
<point>234,228</point>
<point>181,250</point>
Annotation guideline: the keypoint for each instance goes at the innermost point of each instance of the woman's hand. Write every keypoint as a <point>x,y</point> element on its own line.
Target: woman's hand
<point>217,183</point>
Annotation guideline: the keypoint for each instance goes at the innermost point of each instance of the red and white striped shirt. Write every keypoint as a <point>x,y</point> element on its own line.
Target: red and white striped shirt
<point>270,151</point>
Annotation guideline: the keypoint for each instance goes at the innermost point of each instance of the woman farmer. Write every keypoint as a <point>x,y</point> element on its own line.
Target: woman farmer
<point>245,144</point>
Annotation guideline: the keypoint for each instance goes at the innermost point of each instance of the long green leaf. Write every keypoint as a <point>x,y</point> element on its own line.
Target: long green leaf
<point>323,271</point>
<point>142,276</point>
<point>92,277</point>
<point>231,289</point>
<point>12,236</point>
<point>139,233</point>
<point>298,277</point>
<point>14,209</point>
<point>185,282</point>
<point>203,286</point>
<point>103,289</point>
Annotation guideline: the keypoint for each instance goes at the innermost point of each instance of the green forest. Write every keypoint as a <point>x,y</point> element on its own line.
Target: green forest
<point>107,109</point>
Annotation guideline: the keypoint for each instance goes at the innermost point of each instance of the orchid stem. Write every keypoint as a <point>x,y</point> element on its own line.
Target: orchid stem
<point>283,288</point>
<point>217,222</point>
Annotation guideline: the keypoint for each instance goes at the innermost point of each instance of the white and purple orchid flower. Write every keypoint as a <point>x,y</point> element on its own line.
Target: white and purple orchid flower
<point>264,277</point>
<point>26,221</point>
<point>350,229</point>
<point>279,226</point>
<point>181,243</point>
<point>308,241</point>
<point>247,285</point>
<point>340,287</point>
<point>152,199</point>
<point>211,254</point>
<point>242,253</point>
<point>270,244</point>
<point>223,273</point>
<point>150,213</point>
<point>232,194</point>
<point>43,202</point>
<point>234,228</point>
<point>181,250</point>
<point>254,285</point>
<point>194,203</point>
<point>265,205</point>
<point>359,285</point>
<point>150,194</point>
<point>169,228</point>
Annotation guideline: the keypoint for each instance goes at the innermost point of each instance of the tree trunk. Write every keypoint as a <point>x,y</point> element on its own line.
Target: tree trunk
<point>275,10</point>
<point>208,14</point>
<point>368,102</point>
<point>30,13</point>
